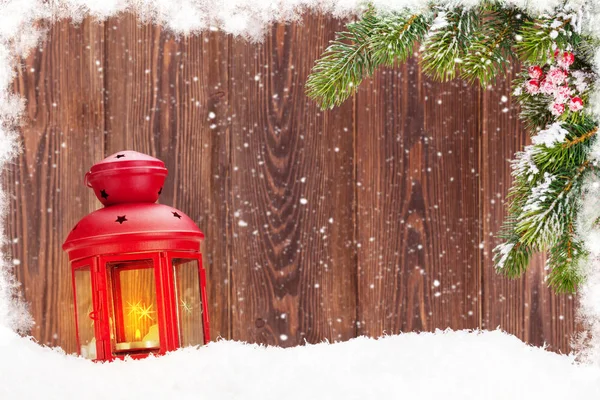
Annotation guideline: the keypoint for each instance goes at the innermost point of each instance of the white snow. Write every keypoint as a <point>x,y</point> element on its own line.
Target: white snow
<point>439,22</point>
<point>554,134</point>
<point>589,293</point>
<point>451,365</point>
<point>538,194</point>
<point>504,250</point>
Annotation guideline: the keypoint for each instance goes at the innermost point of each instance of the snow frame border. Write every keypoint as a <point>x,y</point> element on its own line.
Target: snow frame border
<point>20,32</point>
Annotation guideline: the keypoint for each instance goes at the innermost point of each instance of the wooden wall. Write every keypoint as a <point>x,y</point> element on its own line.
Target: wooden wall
<point>374,218</point>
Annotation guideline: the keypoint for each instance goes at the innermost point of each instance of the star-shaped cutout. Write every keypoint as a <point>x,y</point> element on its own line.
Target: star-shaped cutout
<point>121,219</point>
<point>103,194</point>
<point>176,214</point>
<point>120,155</point>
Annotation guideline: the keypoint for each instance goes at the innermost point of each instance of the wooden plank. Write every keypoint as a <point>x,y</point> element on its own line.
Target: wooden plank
<point>524,307</point>
<point>62,136</point>
<point>166,97</point>
<point>417,193</point>
<point>293,266</point>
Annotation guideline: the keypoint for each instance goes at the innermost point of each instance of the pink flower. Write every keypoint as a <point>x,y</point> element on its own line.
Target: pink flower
<point>576,104</point>
<point>547,87</point>
<point>535,72</point>
<point>562,94</point>
<point>557,76</point>
<point>557,109</point>
<point>533,86</point>
<point>566,60</point>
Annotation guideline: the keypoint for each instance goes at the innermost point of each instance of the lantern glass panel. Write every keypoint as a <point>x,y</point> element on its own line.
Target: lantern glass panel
<point>135,326</point>
<point>189,301</point>
<point>85,309</point>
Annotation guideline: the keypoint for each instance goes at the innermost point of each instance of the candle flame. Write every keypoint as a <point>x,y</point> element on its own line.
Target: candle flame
<point>138,335</point>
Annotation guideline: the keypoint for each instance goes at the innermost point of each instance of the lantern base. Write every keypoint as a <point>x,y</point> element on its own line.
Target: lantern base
<point>140,345</point>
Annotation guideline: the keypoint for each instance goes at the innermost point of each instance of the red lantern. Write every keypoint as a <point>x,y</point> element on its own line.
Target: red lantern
<point>138,281</point>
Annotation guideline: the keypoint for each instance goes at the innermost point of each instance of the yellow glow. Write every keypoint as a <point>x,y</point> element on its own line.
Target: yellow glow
<point>133,308</point>
<point>144,313</point>
<point>134,302</point>
<point>138,319</point>
<point>153,335</point>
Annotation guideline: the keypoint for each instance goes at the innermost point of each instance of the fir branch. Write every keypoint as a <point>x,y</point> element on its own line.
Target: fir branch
<point>563,262</point>
<point>491,49</point>
<point>586,49</point>
<point>538,38</point>
<point>535,112</point>
<point>512,257</point>
<point>393,39</point>
<point>368,43</point>
<point>550,205</point>
<point>563,158</point>
<point>580,139</point>
<point>543,201</point>
<point>340,70</point>
<point>447,42</point>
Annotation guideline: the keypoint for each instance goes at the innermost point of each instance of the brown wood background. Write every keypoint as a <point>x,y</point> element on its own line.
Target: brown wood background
<point>404,184</point>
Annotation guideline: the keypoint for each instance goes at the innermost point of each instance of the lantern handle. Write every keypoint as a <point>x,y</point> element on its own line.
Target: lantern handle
<point>87,180</point>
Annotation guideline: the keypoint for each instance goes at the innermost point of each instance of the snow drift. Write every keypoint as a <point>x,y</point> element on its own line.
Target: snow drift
<point>445,365</point>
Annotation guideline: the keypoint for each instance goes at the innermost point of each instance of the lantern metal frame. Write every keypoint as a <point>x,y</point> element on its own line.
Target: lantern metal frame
<point>168,322</point>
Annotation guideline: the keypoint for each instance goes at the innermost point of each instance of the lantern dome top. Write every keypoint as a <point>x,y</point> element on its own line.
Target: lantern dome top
<point>128,183</point>
<point>128,228</point>
<point>127,177</point>
<point>127,159</point>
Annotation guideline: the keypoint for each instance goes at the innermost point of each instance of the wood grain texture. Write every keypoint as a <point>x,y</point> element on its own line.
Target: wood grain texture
<point>417,185</point>
<point>61,137</point>
<point>161,92</point>
<point>525,307</point>
<point>293,267</point>
<point>375,217</point>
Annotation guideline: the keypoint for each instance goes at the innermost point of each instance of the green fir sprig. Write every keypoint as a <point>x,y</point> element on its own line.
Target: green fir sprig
<point>370,42</point>
<point>536,41</point>
<point>448,42</point>
<point>491,51</point>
